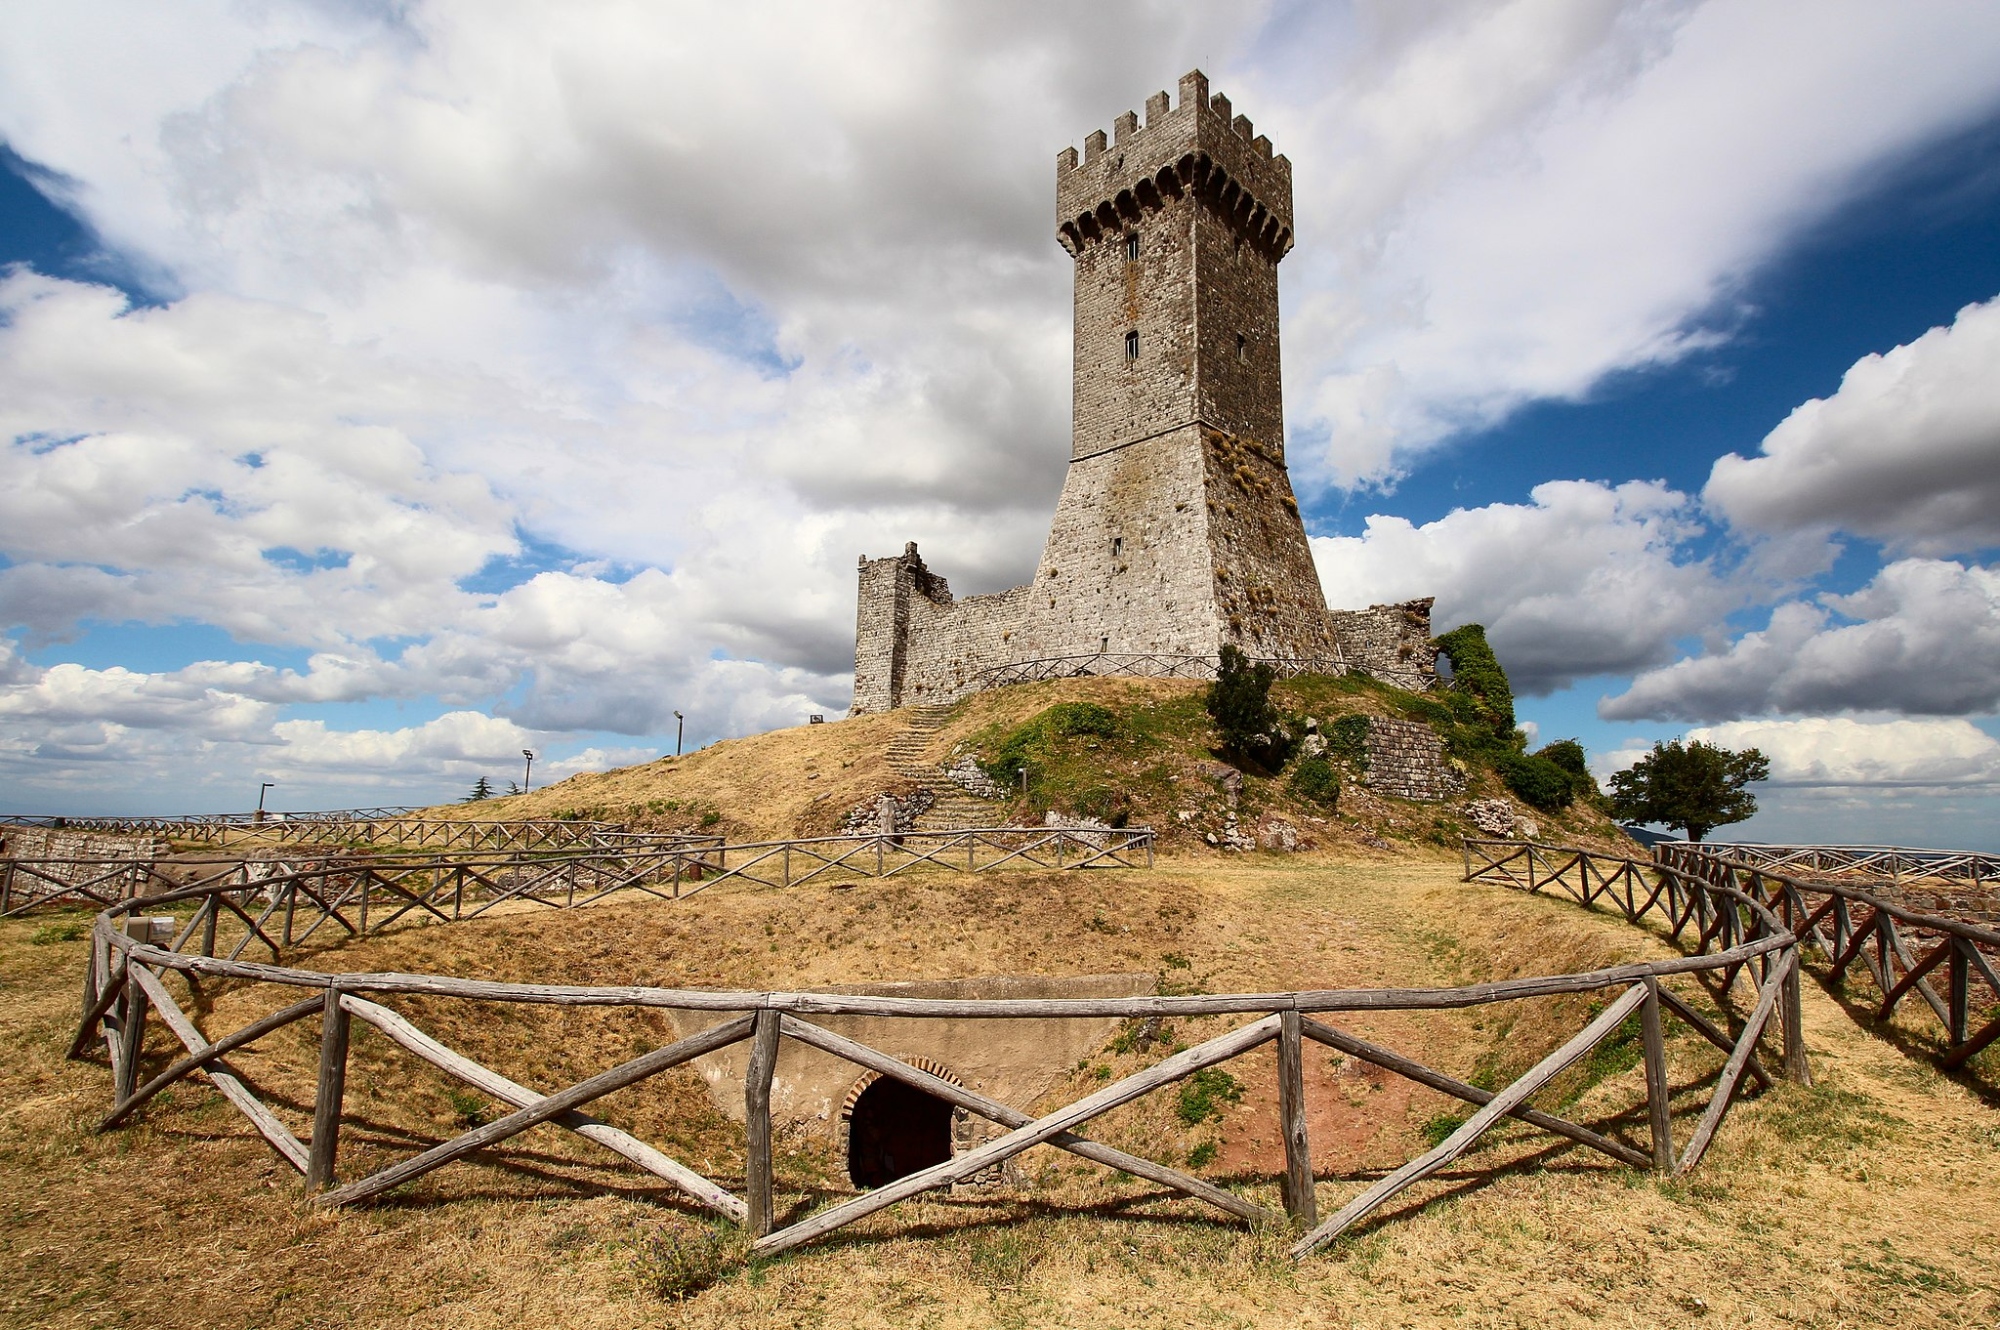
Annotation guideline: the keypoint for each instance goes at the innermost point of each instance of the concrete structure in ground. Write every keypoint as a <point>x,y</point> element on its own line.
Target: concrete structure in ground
<point>1177,530</point>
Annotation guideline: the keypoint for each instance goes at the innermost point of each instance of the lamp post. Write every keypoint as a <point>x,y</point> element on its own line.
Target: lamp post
<point>680,728</point>
<point>260,798</point>
<point>527,776</point>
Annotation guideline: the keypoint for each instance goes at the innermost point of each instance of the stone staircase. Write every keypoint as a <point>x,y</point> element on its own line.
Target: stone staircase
<point>955,807</point>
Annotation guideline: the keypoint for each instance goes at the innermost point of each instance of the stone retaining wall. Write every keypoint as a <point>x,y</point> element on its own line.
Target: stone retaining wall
<point>1406,760</point>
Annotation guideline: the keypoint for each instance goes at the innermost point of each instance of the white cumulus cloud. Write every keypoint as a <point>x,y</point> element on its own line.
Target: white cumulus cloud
<point>1922,638</point>
<point>1844,750</point>
<point>1907,452</point>
<point>1586,579</point>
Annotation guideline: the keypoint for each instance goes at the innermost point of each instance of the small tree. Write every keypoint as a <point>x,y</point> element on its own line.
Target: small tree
<point>1693,786</point>
<point>1239,701</point>
<point>481,789</point>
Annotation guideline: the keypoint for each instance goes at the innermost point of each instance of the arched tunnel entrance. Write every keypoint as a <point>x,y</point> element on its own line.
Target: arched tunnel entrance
<point>894,1130</point>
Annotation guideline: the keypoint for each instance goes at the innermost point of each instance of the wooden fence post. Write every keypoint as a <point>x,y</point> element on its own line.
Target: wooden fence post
<point>131,1039</point>
<point>757,1121</point>
<point>1300,1201</point>
<point>1792,1013</point>
<point>1959,997</point>
<point>332,1088</point>
<point>1658,1110</point>
<point>212,908</point>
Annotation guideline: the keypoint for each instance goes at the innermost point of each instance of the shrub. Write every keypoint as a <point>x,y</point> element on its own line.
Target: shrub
<point>1239,702</point>
<point>1347,741</point>
<point>1569,755</point>
<point>1033,737</point>
<point>1315,781</point>
<point>1476,672</point>
<point>684,1257</point>
<point>1536,781</point>
<point>1204,1093</point>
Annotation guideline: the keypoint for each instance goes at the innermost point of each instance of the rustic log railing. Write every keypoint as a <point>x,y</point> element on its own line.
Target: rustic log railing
<point>1895,862</point>
<point>399,827</point>
<point>311,891</point>
<point>1742,942</point>
<point>1902,951</point>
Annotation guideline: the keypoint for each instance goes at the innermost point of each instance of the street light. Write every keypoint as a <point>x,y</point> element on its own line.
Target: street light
<point>680,727</point>
<point>527,775</point>
<point>260,798</point>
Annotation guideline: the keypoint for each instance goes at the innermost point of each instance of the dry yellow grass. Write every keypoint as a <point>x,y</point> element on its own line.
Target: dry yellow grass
<point>1864,1200</point>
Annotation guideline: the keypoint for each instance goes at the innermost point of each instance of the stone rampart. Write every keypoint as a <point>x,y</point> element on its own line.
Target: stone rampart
<point>1406,761</point>
<point>1390,642</point>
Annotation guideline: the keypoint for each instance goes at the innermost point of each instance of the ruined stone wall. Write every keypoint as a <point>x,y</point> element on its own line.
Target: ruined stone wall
<point>1390,642</point>
<point>1406,760</point>
<point>914,643</point>
<point>52,843</point>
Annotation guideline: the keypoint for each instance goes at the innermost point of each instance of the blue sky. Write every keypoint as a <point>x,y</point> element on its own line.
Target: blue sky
<point>389,391</point>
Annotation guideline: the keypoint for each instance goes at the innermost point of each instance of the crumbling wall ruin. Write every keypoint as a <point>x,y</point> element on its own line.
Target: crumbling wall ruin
<point>1406,760</point>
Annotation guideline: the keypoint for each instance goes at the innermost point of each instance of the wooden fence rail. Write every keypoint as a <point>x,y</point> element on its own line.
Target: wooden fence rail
<point>1902,951</point>
<point>1741,942</point>
<point>362,893</point>
<point>1897,863</point>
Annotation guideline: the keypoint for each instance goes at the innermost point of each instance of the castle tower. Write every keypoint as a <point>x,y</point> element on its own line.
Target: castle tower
<point>1177,527</point>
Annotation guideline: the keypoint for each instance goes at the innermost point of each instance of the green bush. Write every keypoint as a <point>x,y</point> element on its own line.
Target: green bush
<point>1476,673</point>
<point>1315,780</point>
<point>1065,720</point>
<point>1239,702</point>
<point>1536,781</point>
<point>1570,756</point>
<point>1347,741</point>
<point>1204,1093</point>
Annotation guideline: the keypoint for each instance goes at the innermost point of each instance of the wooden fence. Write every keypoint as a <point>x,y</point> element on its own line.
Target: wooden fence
<point>362,826</point>
<point>1742,944</point>
<point>1902,951</point>
<point>311,891</point>
<point>1894,862</point>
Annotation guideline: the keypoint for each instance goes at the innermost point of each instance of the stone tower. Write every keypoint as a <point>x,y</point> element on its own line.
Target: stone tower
<point>1177,529</point>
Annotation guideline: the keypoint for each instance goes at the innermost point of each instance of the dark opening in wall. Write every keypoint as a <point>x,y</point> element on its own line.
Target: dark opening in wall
<point>1131,346</point>
<point>895,1130</point>
<point>1131,246</point>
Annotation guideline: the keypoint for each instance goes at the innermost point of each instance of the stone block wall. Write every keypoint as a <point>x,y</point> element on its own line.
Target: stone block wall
<point>1390,642</point>
<point>914,643</point>
<point>53,843</point>
<point>1406,761</point>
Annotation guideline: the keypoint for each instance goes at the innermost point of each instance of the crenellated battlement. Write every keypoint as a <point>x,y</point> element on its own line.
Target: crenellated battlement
<point>1196,150</point>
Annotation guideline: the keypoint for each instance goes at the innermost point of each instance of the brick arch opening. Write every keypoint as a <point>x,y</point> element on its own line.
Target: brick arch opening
<point>892,1129</point>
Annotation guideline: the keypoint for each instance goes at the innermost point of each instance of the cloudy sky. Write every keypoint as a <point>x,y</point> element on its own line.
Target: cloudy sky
<point>391,386</point>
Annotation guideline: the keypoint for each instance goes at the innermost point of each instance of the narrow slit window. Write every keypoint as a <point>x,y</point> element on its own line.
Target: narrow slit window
<point>1242,347</point>
<point>1131,246</point>
<point>1103,645</point>
<point>1117,546</point>
<point>1131,346</point>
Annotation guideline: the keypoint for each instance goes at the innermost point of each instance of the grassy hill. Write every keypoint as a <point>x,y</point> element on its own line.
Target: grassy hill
<point>1862,1201</point>
<point>1151,760</point>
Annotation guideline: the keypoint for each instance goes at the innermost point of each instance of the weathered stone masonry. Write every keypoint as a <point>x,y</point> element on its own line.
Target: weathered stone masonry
<point>1177,528</point>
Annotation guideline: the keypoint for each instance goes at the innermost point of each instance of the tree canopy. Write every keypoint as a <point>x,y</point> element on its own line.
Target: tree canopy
<point>1693,786</point>
<point>481,789</point>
